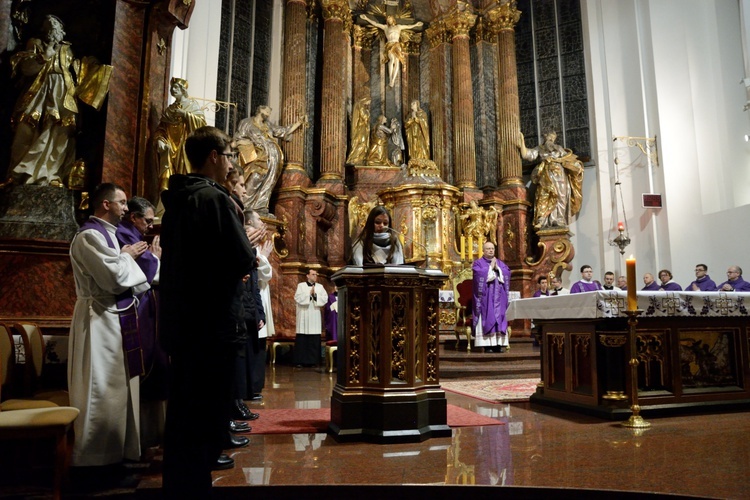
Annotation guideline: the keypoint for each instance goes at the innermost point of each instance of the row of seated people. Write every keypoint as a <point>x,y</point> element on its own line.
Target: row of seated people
<point>702,282</point>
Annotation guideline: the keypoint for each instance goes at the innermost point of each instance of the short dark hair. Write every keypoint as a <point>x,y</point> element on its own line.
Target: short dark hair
<point>586,266</point>
<point>200,143</point>
<point>704,266</point>
<point>666,271</point>
<point>609,273</point>
<point>540,278</point>
<point>138,206</point>
<point>102,192</point>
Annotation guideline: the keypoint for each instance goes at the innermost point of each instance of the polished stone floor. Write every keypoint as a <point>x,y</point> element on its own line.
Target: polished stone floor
<point>698,455</point>
<point>702,455</point>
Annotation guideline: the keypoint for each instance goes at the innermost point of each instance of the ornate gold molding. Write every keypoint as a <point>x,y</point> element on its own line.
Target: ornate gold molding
<point>411,46</point>
<point>459,23</point>
<point>437,34</point>
<point>504,17</point>
<point>336,10</point>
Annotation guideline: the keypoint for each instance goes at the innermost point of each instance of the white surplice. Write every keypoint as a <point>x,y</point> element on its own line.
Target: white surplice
<point>309,317</point>
<point>265,273</point>
<point>106,430</point>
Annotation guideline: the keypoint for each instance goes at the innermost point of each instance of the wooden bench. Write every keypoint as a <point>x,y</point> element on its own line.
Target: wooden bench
<point>275,342</point>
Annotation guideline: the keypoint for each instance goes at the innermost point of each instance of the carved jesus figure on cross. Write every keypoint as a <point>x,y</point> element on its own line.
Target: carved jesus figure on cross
<point>393,52</point>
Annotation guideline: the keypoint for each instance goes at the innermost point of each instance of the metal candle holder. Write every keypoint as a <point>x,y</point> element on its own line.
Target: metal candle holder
<point>635,421</point>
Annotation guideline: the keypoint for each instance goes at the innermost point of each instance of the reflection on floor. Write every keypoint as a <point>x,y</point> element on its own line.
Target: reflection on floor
<point>702,455</point>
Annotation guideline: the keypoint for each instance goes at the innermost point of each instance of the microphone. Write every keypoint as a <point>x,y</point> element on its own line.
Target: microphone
<point>426,254</point>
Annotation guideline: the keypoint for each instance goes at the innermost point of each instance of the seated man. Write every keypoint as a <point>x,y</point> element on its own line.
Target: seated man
<point>622,283</point>
<point>665,275</point>
<point>703,282</point>
<point>557,288</point>
<point>651,284</point>
<point>609,281</point>
<point>585,284</point>
<point>735,283</point>
<point>543,290</point>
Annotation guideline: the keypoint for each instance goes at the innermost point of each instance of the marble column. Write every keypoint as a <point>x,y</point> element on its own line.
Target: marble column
<point>410,80</point>
<point>484,67</point>
<point>440,108</point>
<point>503,19</point>
<point>293,103</point>
<point>337,20</point>
<point>458,24</point>
<point>361,55</point>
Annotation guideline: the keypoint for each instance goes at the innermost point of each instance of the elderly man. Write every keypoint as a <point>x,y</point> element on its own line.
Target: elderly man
<point>133,229</point>
<point>104,363</point>
<point>310,297</point>
<point>622,283</point>
<point>735,283</point>
<point>491,280</point>
<point>585,284</point>
<point>703,282</point>
<point>650,284</point>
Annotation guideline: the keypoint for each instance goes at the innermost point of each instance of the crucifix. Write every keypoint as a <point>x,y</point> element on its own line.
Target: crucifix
<point>393,32</point>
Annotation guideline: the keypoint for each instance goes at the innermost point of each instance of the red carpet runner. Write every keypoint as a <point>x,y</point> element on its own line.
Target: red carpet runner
<point>305,421</point>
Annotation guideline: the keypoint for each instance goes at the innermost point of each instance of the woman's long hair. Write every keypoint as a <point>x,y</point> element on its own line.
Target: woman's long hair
<point>367,233</point>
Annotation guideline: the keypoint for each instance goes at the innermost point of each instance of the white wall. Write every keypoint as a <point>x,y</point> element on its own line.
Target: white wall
<point>670,68</point>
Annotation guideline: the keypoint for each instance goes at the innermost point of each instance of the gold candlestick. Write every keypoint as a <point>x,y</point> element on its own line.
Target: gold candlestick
<point>635,421</point>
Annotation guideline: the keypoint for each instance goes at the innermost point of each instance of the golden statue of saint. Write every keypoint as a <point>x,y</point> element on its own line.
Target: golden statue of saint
<point>417,133</point>
<point>359,133</point>
<point>378,153</point>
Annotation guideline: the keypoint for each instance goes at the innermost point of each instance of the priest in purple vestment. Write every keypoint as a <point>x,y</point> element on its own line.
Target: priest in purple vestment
<point>650,282</point>
<point>703,282</point>
<point>133,228</point>
<point>331,316</point>
<point>586,284</point>
<point>543,290</point>
<point>667,285</point>
<point>490,301</point>
<point>735,283</point>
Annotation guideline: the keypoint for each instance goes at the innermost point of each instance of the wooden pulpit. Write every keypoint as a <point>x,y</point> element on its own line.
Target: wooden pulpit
<point>387,387</point>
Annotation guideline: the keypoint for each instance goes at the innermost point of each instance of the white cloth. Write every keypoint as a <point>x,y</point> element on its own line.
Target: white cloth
<point>265,273</point>
<point>562,291</point>
<point>309,319</point>
<point>379,254</point>
<point>107,428</point>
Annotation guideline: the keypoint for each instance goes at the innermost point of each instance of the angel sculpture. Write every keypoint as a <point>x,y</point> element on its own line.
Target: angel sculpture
<point>477,222</point>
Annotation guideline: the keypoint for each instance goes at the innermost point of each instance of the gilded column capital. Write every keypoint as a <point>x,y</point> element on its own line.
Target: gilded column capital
<point>437,34</point>
<point>411,46</point>
<point>504,17</point>
<point>459,23</point>
<point>485,31</point>
<point>362,36</point>
<point>336,10</point>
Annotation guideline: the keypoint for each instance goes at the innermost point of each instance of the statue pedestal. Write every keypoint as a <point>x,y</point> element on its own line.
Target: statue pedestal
<point>29,212</point>
<point>387,387</point>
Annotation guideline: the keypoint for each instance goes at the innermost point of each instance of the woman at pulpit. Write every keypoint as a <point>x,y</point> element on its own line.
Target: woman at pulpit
<point>377,243</point>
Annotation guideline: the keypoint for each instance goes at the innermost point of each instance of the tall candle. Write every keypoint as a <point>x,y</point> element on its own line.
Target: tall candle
<point>470,247</point>
<point>463,247</point>
<point>632,298</point>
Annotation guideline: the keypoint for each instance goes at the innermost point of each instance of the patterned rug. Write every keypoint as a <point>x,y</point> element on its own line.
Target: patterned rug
<point>309,421</point>
<point>494,391</point>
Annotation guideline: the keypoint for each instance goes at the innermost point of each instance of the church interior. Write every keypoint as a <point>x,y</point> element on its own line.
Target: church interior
<point>566,132</point>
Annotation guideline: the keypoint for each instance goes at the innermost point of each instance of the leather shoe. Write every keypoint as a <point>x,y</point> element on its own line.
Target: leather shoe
<point>240,410</point>
<point>235,442</point>
<point>223,462</point>
<point>238,427</point>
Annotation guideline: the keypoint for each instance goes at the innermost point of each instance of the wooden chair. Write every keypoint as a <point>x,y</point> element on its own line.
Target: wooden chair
<point>463,292</point>
<point>331,348</point>
<point>34,346</point>
<point>7,363</point>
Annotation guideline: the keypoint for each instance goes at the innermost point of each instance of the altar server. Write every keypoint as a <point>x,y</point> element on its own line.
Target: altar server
<point>310,297</point>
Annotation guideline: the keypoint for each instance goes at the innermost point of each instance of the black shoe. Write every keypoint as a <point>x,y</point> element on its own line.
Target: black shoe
<point>238,427</point>
<point>235,442</point>
<point>502,349</point>
<point>240,411</point>
<point>223,462</point>
<point>256,397</point>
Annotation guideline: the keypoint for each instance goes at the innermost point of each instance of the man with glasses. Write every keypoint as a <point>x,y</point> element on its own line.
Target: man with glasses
<point>703,282</point>
<point>735,283</point>
<point>133,229</point>
<point>205,257</point>
<point>102,368</point>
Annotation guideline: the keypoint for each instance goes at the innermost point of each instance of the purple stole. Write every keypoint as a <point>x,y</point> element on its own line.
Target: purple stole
<point>739,285</point>
<point>331,319</point>
<point>490,301</point>
<point>539,293</point>
<point>671,286</point>
<point>131,340</point>
<point>705,284</point>
<point>582,286</point>
<point>653,287</point>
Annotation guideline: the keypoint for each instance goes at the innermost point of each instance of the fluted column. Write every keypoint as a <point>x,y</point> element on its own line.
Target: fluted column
<point>440,111</point>
<point>362,52</point>
<point>504,19</point>
<point>293,92</point>
<point>410,74</point>
<point>337,19</point>
<point>465,176</point>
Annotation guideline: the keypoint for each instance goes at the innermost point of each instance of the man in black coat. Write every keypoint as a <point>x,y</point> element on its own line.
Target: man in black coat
<point>205,256</point>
